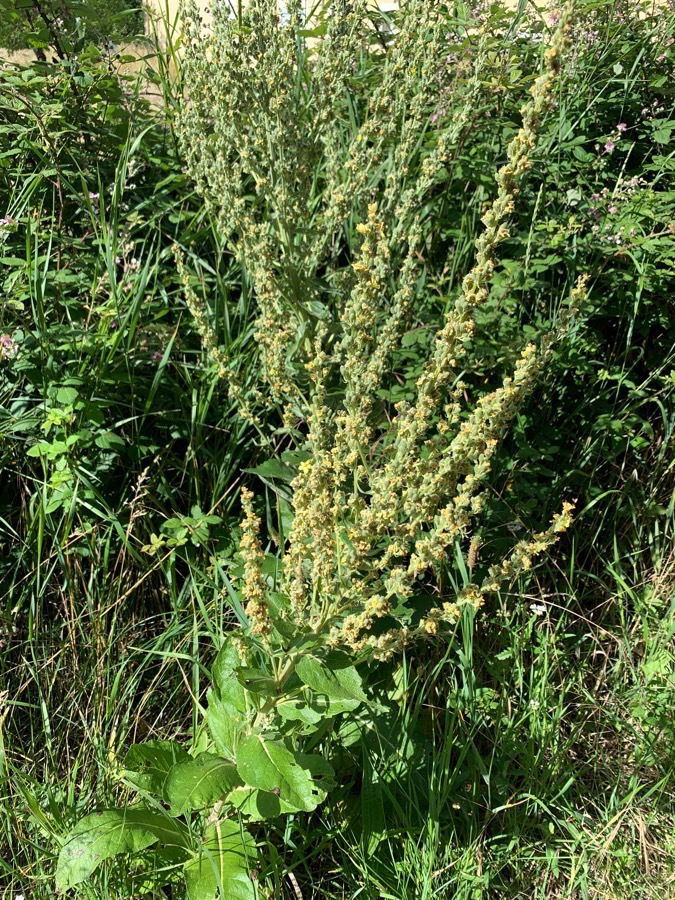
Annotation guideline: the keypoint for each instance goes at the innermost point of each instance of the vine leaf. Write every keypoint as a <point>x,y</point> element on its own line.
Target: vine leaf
<point>105,834</point>
<point>200,782</point>
<point>221,865</point>
<point>269,765</point>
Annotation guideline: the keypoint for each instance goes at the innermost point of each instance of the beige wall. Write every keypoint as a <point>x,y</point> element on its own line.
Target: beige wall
<point>172,7</point>
<point>169,10</point>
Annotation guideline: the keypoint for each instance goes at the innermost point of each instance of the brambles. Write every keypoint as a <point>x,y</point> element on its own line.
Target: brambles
<point>67,28</point>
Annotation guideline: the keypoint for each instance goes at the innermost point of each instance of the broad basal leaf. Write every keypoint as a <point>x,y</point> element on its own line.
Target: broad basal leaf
<point>321,770</point>
<point>105,834</point>
<point>200,782</point>
<point>221,869</point>
<point>147,765</point>
<point>271,766</point>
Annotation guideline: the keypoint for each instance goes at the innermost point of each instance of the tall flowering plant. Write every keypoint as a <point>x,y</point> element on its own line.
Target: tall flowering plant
<point>384,494</point>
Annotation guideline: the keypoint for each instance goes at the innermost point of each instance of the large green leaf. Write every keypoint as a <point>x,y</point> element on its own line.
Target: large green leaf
<point>269,765</point>
<point>321,770</point>
<point>200,782</point>
<point>258,805</point>
<point>257,681</point>
<point>225,723</point>
<point>149,764</point>
<point>155,868</point>
<point>300,709</point>
<point>333,677</point>
<point>228,687</point>
<point>105,834</point>
<point>273,471</point>
<point>221,867</point>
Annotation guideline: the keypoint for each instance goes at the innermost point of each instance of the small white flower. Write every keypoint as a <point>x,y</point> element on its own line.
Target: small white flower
<point>538,609</point>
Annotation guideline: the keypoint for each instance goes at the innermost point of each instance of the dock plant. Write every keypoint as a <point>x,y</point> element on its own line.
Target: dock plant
<point>384,493</point>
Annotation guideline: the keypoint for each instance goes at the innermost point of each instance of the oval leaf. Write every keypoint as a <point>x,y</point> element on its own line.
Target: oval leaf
<point>269,765</point>
<point>220,869</point>
<point>258,805</point>
<point>225,723</point>
<point>200,782</point>
<point>105,834</point>
<point>333,677</point>
<point>149,764</point>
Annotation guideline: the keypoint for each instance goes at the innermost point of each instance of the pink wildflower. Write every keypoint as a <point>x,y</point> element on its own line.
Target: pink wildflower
<point>8,347</point>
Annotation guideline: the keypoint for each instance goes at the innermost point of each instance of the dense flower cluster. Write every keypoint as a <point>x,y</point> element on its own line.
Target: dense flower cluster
<point>266,147</point>
<point>380,500</point>
<point>379,503</point>
<point>254,588</point>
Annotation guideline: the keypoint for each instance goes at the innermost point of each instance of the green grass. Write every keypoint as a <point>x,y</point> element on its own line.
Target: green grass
<point>533,756</point>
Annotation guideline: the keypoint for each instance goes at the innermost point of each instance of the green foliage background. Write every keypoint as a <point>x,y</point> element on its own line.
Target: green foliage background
<point>66,27</point>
